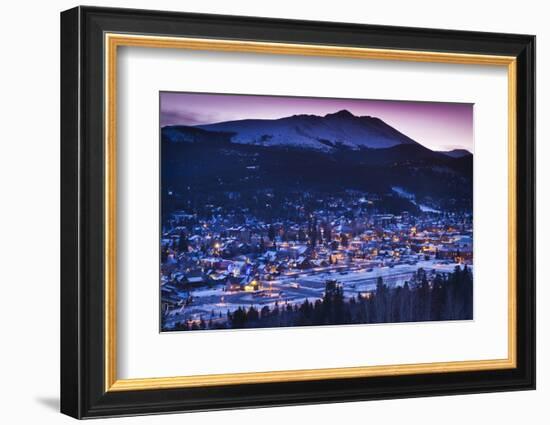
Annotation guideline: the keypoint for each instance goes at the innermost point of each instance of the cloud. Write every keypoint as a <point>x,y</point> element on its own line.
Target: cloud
<point>173,117</point>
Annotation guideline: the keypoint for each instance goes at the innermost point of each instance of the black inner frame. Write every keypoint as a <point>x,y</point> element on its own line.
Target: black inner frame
<point>82,212</point>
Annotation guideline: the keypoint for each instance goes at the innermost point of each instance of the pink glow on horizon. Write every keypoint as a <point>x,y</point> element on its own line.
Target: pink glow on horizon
<point>436,125</point>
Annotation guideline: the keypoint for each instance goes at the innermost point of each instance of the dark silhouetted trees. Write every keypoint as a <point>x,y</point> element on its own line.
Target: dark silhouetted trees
<point>183,244</point>
<point>442,297</point>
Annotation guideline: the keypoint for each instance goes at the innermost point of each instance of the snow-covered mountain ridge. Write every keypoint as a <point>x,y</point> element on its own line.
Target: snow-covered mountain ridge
<point>324,133</point>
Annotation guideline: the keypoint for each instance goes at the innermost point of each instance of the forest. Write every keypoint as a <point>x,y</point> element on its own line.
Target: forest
<point>446,296</point>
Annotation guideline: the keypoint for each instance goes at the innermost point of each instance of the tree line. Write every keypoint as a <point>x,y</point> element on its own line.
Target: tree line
<point>446,296</point>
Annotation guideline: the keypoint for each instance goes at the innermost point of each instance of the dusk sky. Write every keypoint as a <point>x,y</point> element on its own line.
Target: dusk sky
<point>438,126</point>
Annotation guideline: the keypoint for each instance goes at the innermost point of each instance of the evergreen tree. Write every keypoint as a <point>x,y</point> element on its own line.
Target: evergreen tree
<point>183,245</point>
<point>163,255</point>
<point>252,315</point>
<point>468,294</point>
<point>271,232</point>
<point>380,299</point>
<point>327,230</point>
<point>405,309</point>
<point>264,313</point>
<point>344,240</point>
<point>313,233</point>
<point>437,298</point>
<point>238,319</point>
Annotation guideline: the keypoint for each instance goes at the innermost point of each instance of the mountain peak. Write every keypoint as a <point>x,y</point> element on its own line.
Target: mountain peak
<point>343,113</point>
<point>334,131</point>
<point>456,153</point>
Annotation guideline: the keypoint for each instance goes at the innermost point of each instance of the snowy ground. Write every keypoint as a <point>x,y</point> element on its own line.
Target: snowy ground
<point>214,303</point>
<point>411,197</point>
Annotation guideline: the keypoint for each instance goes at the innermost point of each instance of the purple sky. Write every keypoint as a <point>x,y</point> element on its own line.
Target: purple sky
<point>438,126</point>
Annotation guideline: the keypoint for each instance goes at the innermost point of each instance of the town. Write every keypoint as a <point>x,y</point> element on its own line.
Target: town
<point>266,250</point>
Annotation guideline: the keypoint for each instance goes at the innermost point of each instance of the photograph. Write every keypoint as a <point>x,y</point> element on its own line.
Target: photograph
<point>284,211</point>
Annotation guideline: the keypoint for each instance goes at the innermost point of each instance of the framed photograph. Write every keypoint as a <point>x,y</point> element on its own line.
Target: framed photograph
<point>261,212</point>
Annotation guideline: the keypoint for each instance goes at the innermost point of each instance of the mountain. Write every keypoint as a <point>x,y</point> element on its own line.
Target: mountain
<point>340,130</point>
<point>307,154</point>
<point>456,153</point>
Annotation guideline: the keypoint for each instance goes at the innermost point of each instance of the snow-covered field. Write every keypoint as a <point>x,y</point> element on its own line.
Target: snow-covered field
<point>411,197</point>
<point>214,303</point>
